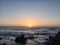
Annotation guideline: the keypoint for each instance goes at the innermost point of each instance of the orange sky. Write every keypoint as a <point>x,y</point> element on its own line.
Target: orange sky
<point>27,22</point>
<point>33,13</point>
<point>31,22</point>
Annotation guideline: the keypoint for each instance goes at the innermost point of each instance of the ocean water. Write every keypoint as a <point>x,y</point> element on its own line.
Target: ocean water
<point>9,34</point>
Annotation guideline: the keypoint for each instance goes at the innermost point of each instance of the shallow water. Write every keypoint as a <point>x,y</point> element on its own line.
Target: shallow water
<point>8,36</point>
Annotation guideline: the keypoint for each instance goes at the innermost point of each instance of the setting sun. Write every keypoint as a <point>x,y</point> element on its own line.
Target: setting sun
<point>30,22</point>
<point>30,25</point>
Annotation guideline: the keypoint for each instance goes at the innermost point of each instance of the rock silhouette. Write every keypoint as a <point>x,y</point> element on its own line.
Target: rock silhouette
<point>54,40</point>
<point>31,37</point>
<point>0,38</point>
<point>4,44</point>
<point>21,39</point>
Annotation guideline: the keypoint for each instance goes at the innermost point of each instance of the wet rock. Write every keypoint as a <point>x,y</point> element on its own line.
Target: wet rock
<point>46,39</point>
<point>0,38</point>
<point>54,40</point>
<point>31,37</point>
<point>4,44</point>
<point>21,39</point>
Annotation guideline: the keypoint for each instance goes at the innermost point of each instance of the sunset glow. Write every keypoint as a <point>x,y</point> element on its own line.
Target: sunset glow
<point>30,22</point>
<point>30,13</point>
<point>30,25</point>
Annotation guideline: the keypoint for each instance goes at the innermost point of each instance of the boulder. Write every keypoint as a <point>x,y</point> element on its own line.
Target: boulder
<point>21,39</point>
<point>4,44</point>
<point>54,40</point>
<point>0,38</point>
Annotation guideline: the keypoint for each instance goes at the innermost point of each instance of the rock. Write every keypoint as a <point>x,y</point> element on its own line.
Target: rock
<point>21,39</point>
<point>4,44</point>
<point>31,37</point>
<point>0,38</point>
<point>50,38</point>
<point>46,39</point>
<point>54,40</point>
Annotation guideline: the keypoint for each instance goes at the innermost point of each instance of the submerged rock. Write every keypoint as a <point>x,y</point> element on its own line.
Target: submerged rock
<point>31,37</point>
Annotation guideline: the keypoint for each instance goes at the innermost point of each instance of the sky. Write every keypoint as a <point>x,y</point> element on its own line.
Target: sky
<point>30,12</point>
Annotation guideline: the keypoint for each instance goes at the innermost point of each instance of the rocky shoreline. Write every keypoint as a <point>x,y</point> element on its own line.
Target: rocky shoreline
<point>54,40</point>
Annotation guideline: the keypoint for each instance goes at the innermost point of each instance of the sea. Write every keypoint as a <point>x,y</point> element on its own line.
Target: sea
<point>8,34</point>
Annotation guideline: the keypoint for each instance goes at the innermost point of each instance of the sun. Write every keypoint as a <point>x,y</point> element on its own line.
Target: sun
<point>30,25</point>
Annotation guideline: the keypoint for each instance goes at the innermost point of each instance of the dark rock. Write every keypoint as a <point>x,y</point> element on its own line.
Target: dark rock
<point>4,44</point>
<point>54,40</point>
<point>50,38</point>
<point>0,38</point>
<point>46,39</point>
<point>31,37</point>
<point>21,39</point>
